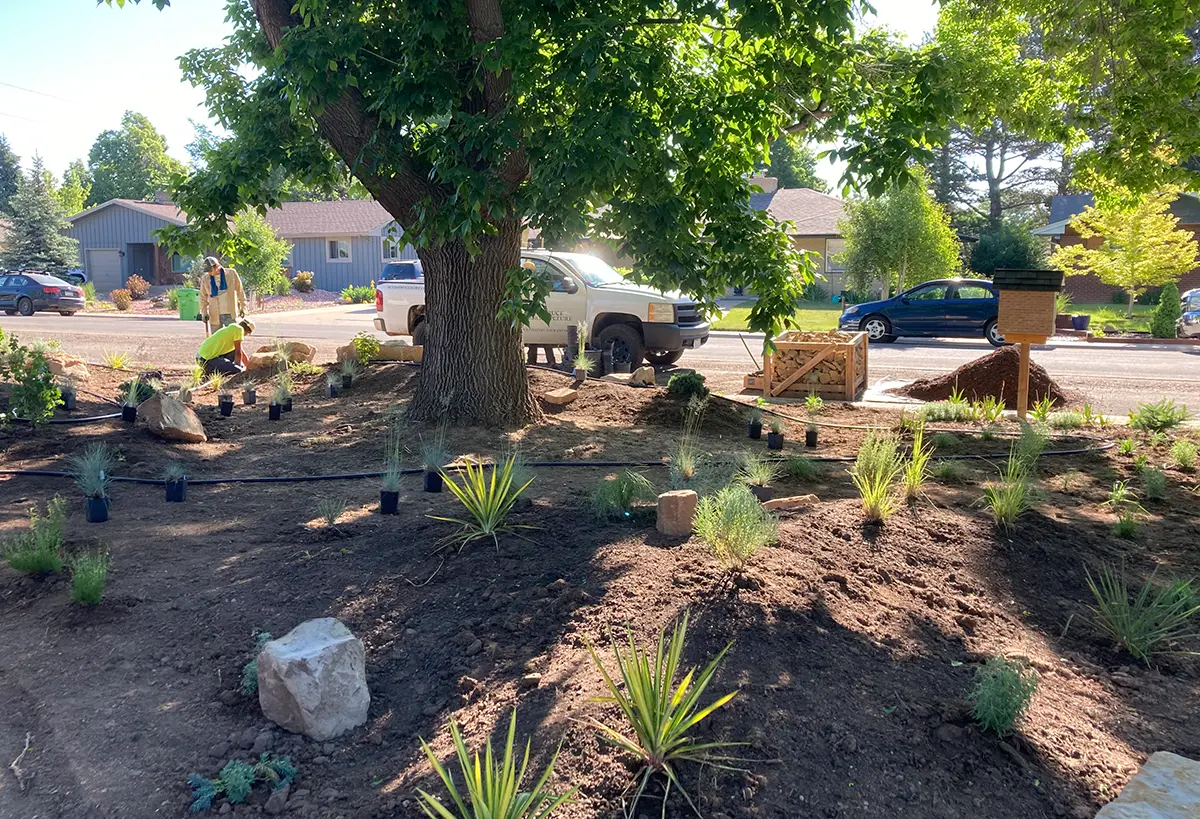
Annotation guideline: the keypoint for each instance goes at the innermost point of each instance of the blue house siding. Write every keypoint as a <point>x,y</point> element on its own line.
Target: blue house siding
<point>114,228</point>
<point>364,267</point>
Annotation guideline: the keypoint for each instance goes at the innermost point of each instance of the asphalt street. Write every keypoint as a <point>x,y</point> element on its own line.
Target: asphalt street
<point>1113,377</point>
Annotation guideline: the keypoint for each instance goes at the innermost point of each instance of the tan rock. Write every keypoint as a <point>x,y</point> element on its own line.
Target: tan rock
<point>68,366</point>
<point>561,396</point>
<point>643,377</point>
<point>790,503</point>
<point>617,378</point>
<point>346,353</point>
<point>1167,786</point>
<point>295,351</point>
<point>172,420</point>
<point>676,511</point>
<point>395,349</point>
<point>263,361</point>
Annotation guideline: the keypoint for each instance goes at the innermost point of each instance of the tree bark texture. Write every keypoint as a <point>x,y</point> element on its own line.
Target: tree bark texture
<point>472,370</point>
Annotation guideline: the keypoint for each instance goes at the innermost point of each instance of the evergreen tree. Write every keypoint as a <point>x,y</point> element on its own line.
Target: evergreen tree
<point>35,238</point>
<point>1009,246</point>
<point>1166,314</point>
<point>10,174</point>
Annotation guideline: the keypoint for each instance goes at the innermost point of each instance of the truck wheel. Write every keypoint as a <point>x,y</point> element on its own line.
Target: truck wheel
<point>418,334</point>
<point>661,358</point>
<point>626,343</point>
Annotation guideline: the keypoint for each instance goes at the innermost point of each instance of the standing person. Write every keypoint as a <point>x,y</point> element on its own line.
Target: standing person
<point>222,300</point>
<point>222,351</point>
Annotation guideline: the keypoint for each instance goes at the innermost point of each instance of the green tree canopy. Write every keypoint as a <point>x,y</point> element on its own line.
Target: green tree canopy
<point>469,120</point>
<point>1009,246</point>
<point>255,250</point>
<point>10,174</point>
<point>130,163</point>
<point>898,240</point>
<point>72,195</point>
<point>1140,246</point>
<point>35,238</point>
<point>794,164</point>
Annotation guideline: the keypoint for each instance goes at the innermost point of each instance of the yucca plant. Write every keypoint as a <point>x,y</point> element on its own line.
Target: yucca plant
<point>132,392</point>
<point>217,382</point>
<point>916,468</point>
<point>488,499</point>
<point>1011,496</point>
<point>874,474</point>
<point>734,525</point>
<point>493,786</point>
<point>615,496</point>
<point>1146,623</point>
<point>89,576</point>
<point>329,510</point>
<point>117,361</point>
<point>662,710</point>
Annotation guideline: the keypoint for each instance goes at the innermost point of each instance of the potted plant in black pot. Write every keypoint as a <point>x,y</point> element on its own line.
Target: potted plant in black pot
<point>91,472</point>
<point>434,456</point>
<point>389,487</point>
<point>582,363</point>
<point>283,391</point>
<point>333,384</point>
<point>810,434</point>
<point>175,478</point>
<point>224,394</point>
<point>775,436</point>
<point>129,404</point>
<point>349,371</point>
<point>249,393</point>
<point>279,394</point>
<point>754,419</point>
<point>758,474</point>
<point>70,397</point>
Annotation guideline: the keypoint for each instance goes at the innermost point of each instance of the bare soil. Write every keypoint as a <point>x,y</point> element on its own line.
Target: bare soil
<point>854,647</point>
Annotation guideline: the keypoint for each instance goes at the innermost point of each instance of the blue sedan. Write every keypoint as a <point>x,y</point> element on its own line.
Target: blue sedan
<point>960,308</point>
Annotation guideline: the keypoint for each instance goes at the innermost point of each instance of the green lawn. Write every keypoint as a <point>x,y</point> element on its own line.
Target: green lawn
<point>814,316</point>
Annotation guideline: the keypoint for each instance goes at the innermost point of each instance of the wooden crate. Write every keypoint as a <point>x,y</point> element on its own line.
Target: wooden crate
<point>832,365</point>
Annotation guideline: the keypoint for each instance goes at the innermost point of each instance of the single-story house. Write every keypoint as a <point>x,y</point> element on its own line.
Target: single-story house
<point>1088,289</point>
<point>814,218</point>
<point>343,243</point>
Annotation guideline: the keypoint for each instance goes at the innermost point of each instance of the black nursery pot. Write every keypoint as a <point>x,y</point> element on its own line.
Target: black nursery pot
<point>225,405</point>
<point>97,510</point>
<point>433,482</point>
<point>389,502</point>
<point>774,440</point>
<point>347,381</point>
<point>606,362</point>
<point>810,438</point>
<point>621,367</point>
<point>273,411</point>
<point>176,491</point>
<point>333,390</point>
<point>249,397</point>
<point>69,401</point>
<point>581,374</point>
<point>128,414</point>
<point>287,405</point>
<point>754,430</point>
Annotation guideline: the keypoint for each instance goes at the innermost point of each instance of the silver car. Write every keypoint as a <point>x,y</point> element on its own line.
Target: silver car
<point>1189,322</point>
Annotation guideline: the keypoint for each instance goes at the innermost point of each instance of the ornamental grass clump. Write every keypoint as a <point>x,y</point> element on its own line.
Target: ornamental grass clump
<point>91,470</point>
<point>1154,482</point>
<point>1123,501</point>
<point>495,786</point>
<point>948,472</point>
<point>329,510</point>
<point>662,707</point>
<point>799,468</point>
<point>916,468</point>
<point>615,496</point>
<point>37,551</point>
<point>733,525</point>
<point>759,471</point>
<point>874,474</point>
<point>1002,693</point>
<point>89,576</point>
<point>1011,496</point>
<point>1147,622</point>
<point>685,463</point>
<point>488,496</point>
<point>393,452</point>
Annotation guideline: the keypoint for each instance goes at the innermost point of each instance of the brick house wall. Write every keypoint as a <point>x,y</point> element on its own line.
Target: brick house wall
<point>1088,289</point>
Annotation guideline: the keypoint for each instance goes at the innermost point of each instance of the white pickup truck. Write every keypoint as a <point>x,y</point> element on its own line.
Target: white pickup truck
<point>638,323</point>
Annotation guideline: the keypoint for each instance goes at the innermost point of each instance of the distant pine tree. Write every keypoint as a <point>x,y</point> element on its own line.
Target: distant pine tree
<point>35,237</point>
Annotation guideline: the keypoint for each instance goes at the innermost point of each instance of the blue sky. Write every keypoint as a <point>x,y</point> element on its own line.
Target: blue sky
<point>70,68</point>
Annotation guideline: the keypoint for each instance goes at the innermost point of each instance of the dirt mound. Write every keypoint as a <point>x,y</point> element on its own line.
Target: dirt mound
<point>994,374</point>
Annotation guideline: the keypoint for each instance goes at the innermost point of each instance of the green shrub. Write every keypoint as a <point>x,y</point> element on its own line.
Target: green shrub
<point>173,298</point>
<point>366,347</point>
<point>615,496</point>
<point>1126,446</point>
<point>733,525</point>
<point>89,293</point>
<point>38,550</point>
<point>358,294</point>
<point>942,411</point>
<point>250,670</point>
<point>237,779</point>
<point>1066,420</point>
<point>1154,481</point>
<point>946,442</point>
<point>89,575</point>
<point>1002,693</point>
<point>663,708</point>
<point>494,786</point>
<point>1166,315</point>
<point>303,281</point>
<point>137,287</point>
<point>34,394</point>
<point>1147,623</point>
<point>874,474</point>
<point>1159,416</point>
<point>686,385</point>
<point>1183,453</point>
<point>948,472</point>
<point>800,468</point>
<point>1011,496</point>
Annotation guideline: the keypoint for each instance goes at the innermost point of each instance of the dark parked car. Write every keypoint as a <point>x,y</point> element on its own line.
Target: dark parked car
<point>963,308</point>
<point>406,270</point>
<point>26,293</point>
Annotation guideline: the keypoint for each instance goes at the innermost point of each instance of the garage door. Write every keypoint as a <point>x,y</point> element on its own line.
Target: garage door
<point>104,269</point>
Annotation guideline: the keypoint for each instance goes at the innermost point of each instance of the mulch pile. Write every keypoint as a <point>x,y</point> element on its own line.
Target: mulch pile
<point>994,374</point>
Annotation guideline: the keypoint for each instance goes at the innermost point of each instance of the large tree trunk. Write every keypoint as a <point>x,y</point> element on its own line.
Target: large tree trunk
<point>472,371</point>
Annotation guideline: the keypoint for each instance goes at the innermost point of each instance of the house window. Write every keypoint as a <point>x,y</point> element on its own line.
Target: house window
<point>337,250</point>
<point>834,248</point>
<point>181,264</point>
<point>391,248</point>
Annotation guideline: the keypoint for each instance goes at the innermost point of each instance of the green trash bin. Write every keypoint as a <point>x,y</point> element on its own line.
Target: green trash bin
<point>189,303</point>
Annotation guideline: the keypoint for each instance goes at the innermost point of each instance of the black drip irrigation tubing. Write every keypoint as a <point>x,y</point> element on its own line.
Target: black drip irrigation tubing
<point>353,476</point>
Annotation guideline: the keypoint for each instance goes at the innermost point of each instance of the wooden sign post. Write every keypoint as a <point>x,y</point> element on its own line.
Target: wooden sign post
<point>1026,316</point>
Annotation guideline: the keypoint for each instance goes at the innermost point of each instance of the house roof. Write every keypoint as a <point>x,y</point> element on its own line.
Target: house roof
<point>1064,208</point>
<point>350,217</point>
<point>811,213</point>
<point>168,213</point>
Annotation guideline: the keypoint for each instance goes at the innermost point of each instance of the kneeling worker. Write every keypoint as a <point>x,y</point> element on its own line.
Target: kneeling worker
<point>222,351</point>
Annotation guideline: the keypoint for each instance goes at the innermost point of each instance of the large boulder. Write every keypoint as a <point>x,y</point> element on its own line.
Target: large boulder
<point>295,351</point>
<point>68,366</point>
<point>1168,785</point>
<point>313,681</point>
<point>395,349</point>
<point>172,420</point>
<point>257,362</point>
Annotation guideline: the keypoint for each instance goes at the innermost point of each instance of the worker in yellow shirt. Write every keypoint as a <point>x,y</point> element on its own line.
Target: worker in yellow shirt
<point>222,300</point>
<point>222,351</point>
